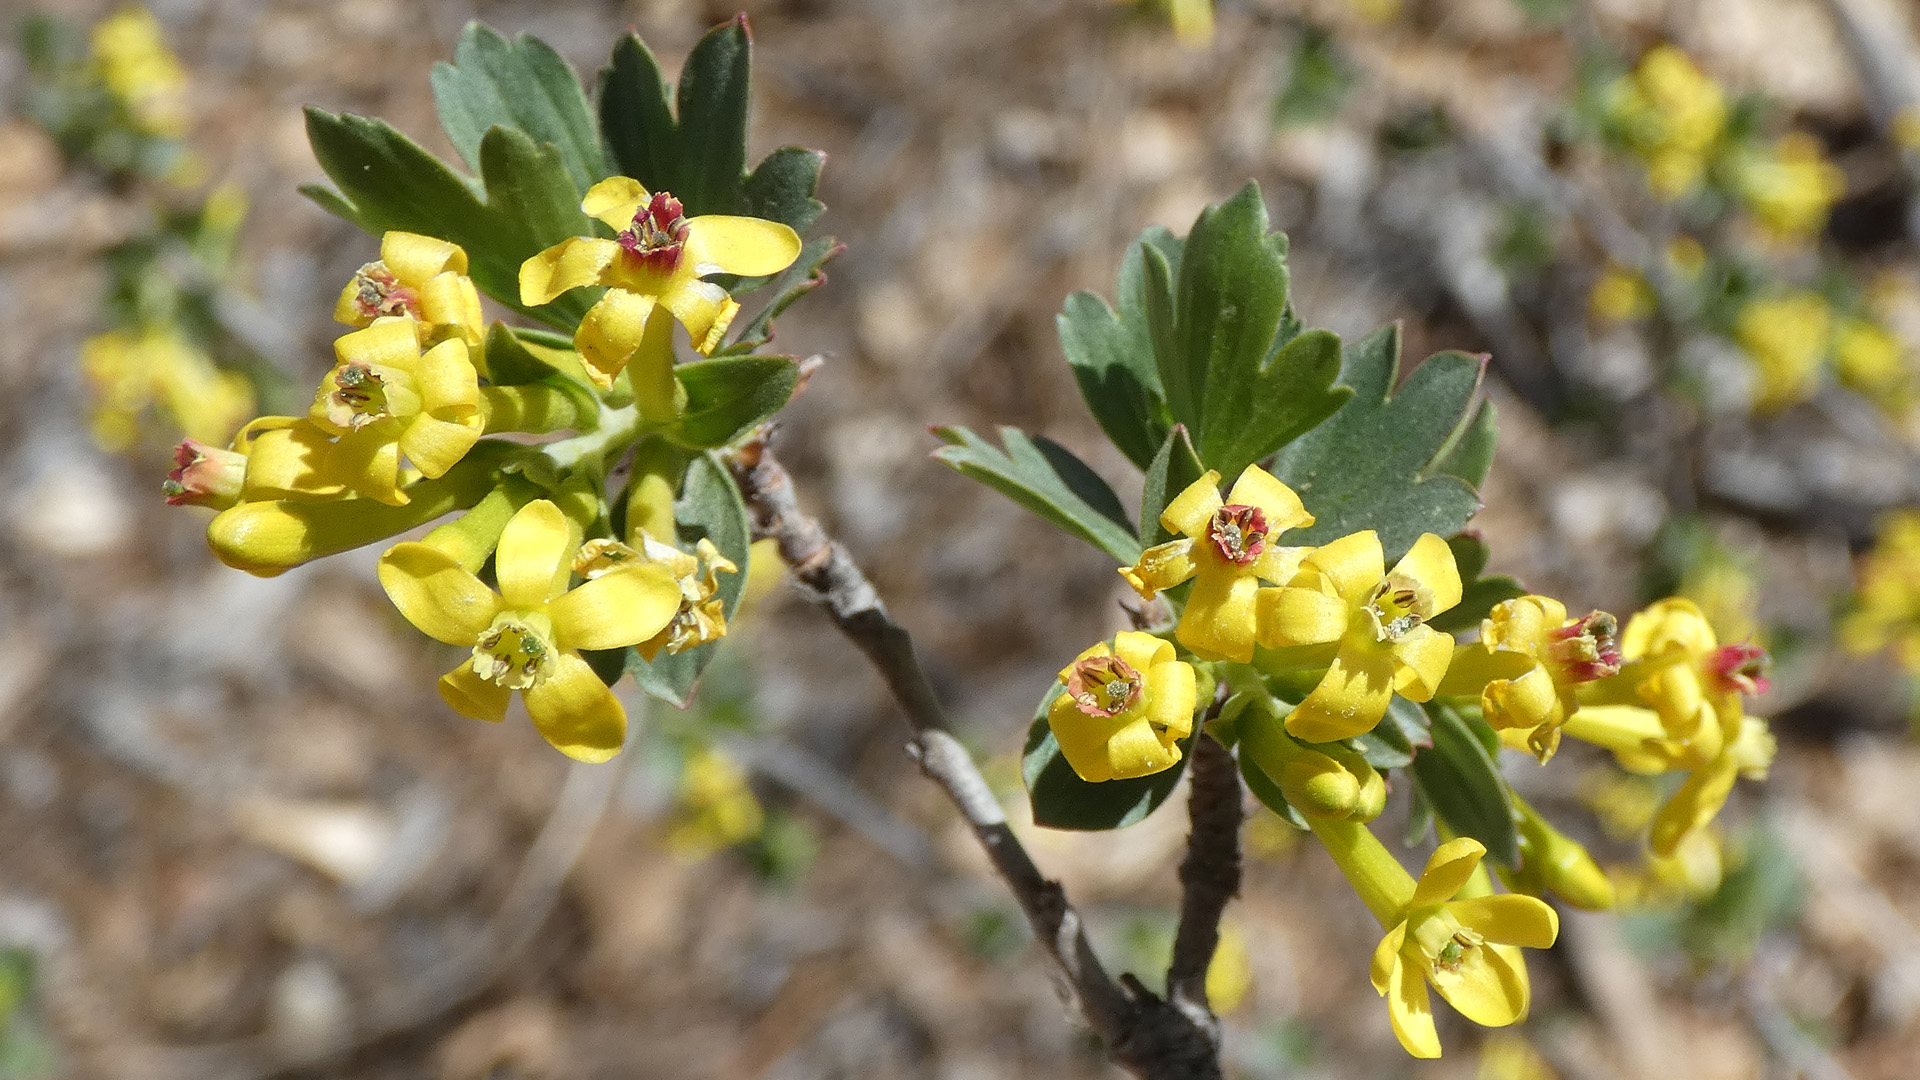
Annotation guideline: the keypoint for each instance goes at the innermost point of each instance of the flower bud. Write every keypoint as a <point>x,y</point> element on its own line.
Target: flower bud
<point>204,476</point>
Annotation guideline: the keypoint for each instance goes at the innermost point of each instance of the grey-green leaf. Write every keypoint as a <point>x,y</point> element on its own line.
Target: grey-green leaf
<point>1111,352</point>
<point>728,395</point>
<point>1171,472</point>
<point>1458,777</point>
<point>1049,480</point>
<point>524,85</point>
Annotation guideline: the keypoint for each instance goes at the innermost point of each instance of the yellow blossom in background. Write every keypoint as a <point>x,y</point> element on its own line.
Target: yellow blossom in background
<point>653,270</point>
<point>715,808</point>
<point>1869,358</point>
<point>1507,1056</point>
<point>1885,609</point>
<point>1620,295</point>
<point>1456,944</point>
<point>1790,188</point>
<point>1377,12</point>
<point>418,278</point>
<point>1375,622</point>
<point>1906,128</point>
<point>528,636</point>
<point>1671,116</point>
<point>1125,709</point>
<point>1727,596</point>
<point>1230,973</point>
<point>1228,549</point>
<point>1785,337</point>
<point>131,56</point>
<point>131,370</point>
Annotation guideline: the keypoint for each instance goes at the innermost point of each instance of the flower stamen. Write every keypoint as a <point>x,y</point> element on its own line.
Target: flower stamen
<point>1104,686</point>
<point>1239,533</point>
<point>513,654</point>
<point>1589,648</point>
<point>359,396</point>
<point>658,234</point>
<point>377,292</point>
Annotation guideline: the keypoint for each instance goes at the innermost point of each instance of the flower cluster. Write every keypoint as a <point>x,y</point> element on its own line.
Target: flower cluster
<point>1886,604</point>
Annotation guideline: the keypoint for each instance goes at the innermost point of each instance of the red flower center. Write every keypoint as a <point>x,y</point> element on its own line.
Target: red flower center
<point>1239,533</point>
<point>377,292</point>
<point>1104,686</point>
<point>658,234</point>
<point>1741,667</point>
<point>1589,648</point>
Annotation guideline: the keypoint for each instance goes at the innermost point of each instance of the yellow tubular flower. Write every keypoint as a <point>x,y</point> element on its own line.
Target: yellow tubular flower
<point>1528,661</point>
<point>1343,595</point>
<point>133,60</point>
<point>1125,708</point>
<point>1699,800</point>
<point>527,636</point>
<point>418,278</point>
<point>1785,337</point>
<point>1675,667</point>
<point>386,399</point>
<point>1870,359</point>
<point>1228,548</point>
<point>1328,782</point>
<point>1550,861</point>
<point>652,270</point>
<point>702,616</point>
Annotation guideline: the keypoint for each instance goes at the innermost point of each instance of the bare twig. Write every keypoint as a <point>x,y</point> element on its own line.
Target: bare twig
<point>1144,1034</point>
<point>1209,876</point>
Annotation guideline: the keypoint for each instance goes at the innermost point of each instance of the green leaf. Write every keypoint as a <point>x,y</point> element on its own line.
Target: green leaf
<point>1479,594</point>
<point>507,361</point>
<point>1171,471</point>
<point>1471,455</point>
<point>1367,467</point>
<point>635,119</point>
<point>1458,777</point>
<point>781,188</point>
<point>807,273</point>
<point>1269,793</point>
<point>712,103</point>
<point>524,85</point>
<point>524,203</point>
<point>1061,800</point>
<point>1112,355</point>
<point>709,506</point>
<point>1049,480</point>
<point>728,395</point>
<point>1392,742</point>
<point>1232,378</point>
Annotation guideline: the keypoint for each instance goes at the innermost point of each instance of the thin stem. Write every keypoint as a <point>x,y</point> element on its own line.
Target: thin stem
<point>1209,875</point>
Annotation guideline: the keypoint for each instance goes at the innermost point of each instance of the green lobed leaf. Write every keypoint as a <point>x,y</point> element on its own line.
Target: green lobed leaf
<point>523,85</point>
<point>781,188</point>
<point>524,202</point>
<point>728,396</point>
<point>1049,480</point>
<point>1239,385</point>
<point>1061,800</point>
<point>1471,456</point>
<point>807,273</point>
<point>1112,355</point>
<point>635,120</point>
<point>1459,780</point>
<point>1367,467</point>
<point>712,101</point>
<point>1171,471</point>
<point>1478,594</point>
<point>709,506</point>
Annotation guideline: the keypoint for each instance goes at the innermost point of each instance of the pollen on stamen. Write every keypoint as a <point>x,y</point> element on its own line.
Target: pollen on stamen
<point>1104,686</point>
<point>1239,533</point>
<point>658,233</point>
<point>377,292</point>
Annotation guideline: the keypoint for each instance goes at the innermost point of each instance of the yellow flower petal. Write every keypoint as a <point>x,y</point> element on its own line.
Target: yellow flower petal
<point>448,384</point>
<point>1525,702</point>
<point>749,247</point>
<point>1421,657</point>
<point>1190,510</point>
<point>1279,564</point>
<point>451,300</point>
<point>1350,700</point>
<point>434,445</point>
<point>287,461</point>
<point>1353,563</point>
<point>1474,666</point>
<point>612,329</point>
<point>569,264</point>
<point>1257,487</point>
<point>436,594</point>
<point>614,201</point>
<point>1142,651</point>
<point>1137,750</point>
<point>1218,622</point>
<point>576,712</point>
<point>532,555</point>
<point>1448,868</point>
<point>1673,623</point>
<point>703,308</point>
<point>616,609</point>
<point>1299,616</point>
<point>1411,1012</point>
<point>1691,807</point>
<point>368,461</point>
<point>1386,957</point>
<point>386,342</point>
<point>1170,697</point>
<point>1509,919</point>
<point>1488,986</point>
<point>474,697</point>
<point>414,259</point>
<point>1161,567</point>
<point>1082,739</point>
<point>1430,562</point>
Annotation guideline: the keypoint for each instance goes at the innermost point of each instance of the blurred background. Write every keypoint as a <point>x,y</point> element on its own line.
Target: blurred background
<point>240,836</point>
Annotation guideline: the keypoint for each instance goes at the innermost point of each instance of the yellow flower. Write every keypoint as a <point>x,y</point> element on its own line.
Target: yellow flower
<point>1528,661</point>
<point>702,615</point>
<point>527,636</point>
<point>716,807</point>
<point>418,278</point>
<point>129,371</point>
<point>653,271</point>
<point>1342,596</point>
<point>384,399</point>
<point>1620,295</point>
<point>1228,548</point>
<point>1699,800</point>
<point>1511,1057</point>
<point>131,56</point>
<point>1872,360</point>
<point>1330,782</point>
<point>1230,972</point>
<point>1192,21</point>
<point>1671,116</point>
<point>1791,188</point>
<point>1125,708</point>
<point>1456,944</point>
<point>1785,337</point>
<point>1886,604</point>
